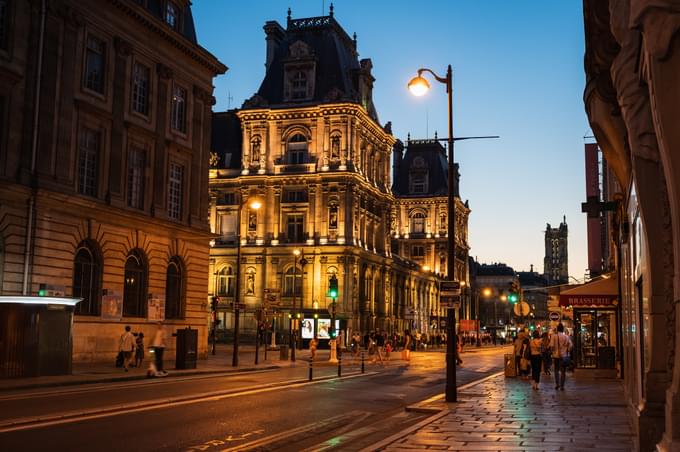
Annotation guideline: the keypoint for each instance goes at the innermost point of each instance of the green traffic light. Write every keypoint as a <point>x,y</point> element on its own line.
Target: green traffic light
<point>333,294</point>
<point>512,298</point>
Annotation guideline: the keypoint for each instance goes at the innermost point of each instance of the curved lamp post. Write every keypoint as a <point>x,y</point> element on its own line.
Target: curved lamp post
<point>418,87</point>
<point>254,204</point>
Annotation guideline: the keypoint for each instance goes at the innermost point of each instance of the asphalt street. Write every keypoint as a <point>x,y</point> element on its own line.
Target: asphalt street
<point>267,410</point>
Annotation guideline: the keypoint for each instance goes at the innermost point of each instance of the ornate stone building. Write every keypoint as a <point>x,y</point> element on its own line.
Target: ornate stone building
<point>309,148</point>
<point>104,141</point>
<point>556,261</point>
<point>632,98</point>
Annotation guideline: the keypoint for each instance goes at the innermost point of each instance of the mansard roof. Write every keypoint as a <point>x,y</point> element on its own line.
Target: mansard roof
<point>339,74</point>
<point>433,155</point>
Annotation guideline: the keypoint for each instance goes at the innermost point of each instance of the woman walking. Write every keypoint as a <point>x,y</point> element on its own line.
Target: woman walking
<point>545,351</point>
<point>536,359</point>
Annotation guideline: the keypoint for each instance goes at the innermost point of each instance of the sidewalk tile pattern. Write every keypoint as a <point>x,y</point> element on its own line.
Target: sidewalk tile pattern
<point>507,415</point>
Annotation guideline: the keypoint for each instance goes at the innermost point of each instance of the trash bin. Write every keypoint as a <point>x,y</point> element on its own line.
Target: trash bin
<point>187,348</point>
<point>283,352</point>
<point>510,367</point>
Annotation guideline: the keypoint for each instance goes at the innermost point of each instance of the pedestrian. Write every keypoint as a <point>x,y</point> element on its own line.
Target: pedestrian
<point>406,352</point>
<point>139,350</point>
<point>158,345</point>
<point>536,358</point>
<point>126,346</point>
<point>313,344</point>
<point>459,348</point>
<point>519,341</point>
<point>560,345</point>
<point>545,352</point>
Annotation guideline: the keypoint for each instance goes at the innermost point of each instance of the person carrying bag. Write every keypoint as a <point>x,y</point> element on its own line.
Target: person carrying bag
<point>561,346</point>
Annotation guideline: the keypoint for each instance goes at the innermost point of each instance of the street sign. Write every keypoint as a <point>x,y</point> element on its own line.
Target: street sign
<point>449,288</point>
<point>554,316</point>
<point>522,309</point>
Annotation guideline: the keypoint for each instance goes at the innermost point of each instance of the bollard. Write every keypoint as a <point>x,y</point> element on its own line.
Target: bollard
<point>339,365</point>
<point>362,362</point>
<point>310,369</point>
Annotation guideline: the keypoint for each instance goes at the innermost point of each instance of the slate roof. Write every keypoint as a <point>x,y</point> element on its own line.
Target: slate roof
<point>226,139</point>
<point>338,68</point>
<point>495,270</point>
<point>434,155</point>
<point>156,7</point>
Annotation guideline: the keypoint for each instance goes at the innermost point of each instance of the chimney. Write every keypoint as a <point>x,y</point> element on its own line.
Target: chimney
<point>275,34</point>
<point>397,157</point>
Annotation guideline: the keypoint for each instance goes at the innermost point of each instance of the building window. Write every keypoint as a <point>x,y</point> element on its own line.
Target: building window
<point>175,185</point>
<point>134,294</point>
<point>299,85</point>
<point>368,287</point>
<point>88,160</point>
<point>295,196</point>
<point>179,109</point>
<point>4,24</point>
<point>95,64</point>
<point>295,228</point>
<point>297,149</point>
<point>135,178</point>
<point>418,251</point>
<point>225,282</point>
<point>141,77</point>
<point>418,223</point>
<point>174,290</point>
<point>292,280</point>
<point>172,15</point>
<point>418,183</point>
<point>86,281</point>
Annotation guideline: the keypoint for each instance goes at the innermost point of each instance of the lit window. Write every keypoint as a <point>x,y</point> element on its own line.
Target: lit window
<point>175,185</point>
<point>418,223</point>
<point>95,64</point>
<point>225,282</point>
<point>140,89</point>
<point>88,160</point>
<point>179,109</point>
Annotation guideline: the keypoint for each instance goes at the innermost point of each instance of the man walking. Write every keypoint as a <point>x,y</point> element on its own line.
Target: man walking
<point>560,344</point>
<point>126,346</point>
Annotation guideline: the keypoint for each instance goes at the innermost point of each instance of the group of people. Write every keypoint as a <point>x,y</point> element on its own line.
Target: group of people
<point>132,344</point>
<point>535,352</point>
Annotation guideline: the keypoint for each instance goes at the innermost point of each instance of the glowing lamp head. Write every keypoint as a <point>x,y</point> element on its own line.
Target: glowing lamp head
<point>418,86</point>
<point>255,205</point>
<point>486,292</point>
<point>296,252</point>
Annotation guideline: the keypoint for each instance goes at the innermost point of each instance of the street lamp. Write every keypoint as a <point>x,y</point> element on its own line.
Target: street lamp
<point>292,333</point>
<point>419,86</point>
<point>254,204</point>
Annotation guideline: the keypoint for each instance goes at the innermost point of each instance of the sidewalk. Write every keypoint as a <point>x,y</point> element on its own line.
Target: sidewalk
<point>506,414</point>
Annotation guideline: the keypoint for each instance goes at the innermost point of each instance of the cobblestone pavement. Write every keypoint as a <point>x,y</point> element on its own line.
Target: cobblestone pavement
<point>505,414</point>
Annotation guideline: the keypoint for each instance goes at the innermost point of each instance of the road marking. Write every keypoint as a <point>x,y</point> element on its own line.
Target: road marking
<point>72,417</point>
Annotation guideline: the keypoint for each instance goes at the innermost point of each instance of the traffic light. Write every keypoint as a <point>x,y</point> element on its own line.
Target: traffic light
<point>214,302</point>
<point>513,292</point>
<point>333,287</point>
<point>332,333</point>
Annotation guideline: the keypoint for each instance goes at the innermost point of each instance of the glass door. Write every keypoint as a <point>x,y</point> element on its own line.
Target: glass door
<point>586,339</point>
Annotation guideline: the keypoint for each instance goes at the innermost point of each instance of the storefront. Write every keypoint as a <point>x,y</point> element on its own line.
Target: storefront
<point>596,323</point>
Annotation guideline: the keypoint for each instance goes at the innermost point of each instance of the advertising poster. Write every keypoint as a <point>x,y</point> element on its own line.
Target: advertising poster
<point>307,328</point>
<point>112,306</point>
<point>324,328</point>
<point>156,307</point>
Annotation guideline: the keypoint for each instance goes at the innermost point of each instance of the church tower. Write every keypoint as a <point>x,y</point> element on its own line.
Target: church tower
<point>556,261</point>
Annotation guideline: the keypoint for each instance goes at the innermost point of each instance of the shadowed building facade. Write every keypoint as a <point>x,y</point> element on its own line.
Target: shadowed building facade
<point>309,146</point>
<point>105,131</point>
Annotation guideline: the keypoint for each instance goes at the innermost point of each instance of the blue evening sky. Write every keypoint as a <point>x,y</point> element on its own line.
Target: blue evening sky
<point>518,73</point>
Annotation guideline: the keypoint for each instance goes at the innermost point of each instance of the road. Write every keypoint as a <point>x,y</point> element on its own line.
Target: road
<point>268,410</point>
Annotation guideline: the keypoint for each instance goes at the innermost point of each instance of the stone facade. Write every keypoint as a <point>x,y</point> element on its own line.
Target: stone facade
<point>105,130</point>
<point>632,99</point>
<point>556,261</point>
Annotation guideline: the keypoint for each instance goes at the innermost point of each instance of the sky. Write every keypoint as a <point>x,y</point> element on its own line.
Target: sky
<point>518,73</point>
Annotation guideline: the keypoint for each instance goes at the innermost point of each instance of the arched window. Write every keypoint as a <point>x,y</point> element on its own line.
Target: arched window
<point>87,280</point>
<point>174,290</point>
<point>225,282</point>
<point>296,149</point>
<point>299,86</point>
<point>292,280</point>
<point>134,295</point>
<point>418,223</point>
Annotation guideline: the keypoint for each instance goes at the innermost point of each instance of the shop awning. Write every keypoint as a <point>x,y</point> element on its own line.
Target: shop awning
<point>600,293</point>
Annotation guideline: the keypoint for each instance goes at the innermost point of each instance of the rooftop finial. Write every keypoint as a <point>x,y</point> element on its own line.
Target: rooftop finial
<point>289,13</point>
<point>435,135</point>
<point>354,38</point>
<point>331,12</point>
<point>408,137</point>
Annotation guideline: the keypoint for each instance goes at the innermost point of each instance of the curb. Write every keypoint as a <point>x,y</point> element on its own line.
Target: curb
<point>124,378</point>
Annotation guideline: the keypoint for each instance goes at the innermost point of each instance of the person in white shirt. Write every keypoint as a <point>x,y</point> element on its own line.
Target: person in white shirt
<point>560,344</point>
<point>126,346</point>
<point>158,345</point>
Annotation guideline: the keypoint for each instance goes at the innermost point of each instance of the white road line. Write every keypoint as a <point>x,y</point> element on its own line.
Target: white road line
<point>68,418</point>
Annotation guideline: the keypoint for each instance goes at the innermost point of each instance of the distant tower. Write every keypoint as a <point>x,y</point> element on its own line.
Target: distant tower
<point>556,262</point>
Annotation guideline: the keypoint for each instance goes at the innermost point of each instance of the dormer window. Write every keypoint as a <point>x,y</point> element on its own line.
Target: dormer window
<point>418,177</point>
<point>299,86</point>
<point>172,15</point>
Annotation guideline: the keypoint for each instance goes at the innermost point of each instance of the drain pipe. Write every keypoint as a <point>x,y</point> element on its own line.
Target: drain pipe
<point>34,150</point>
